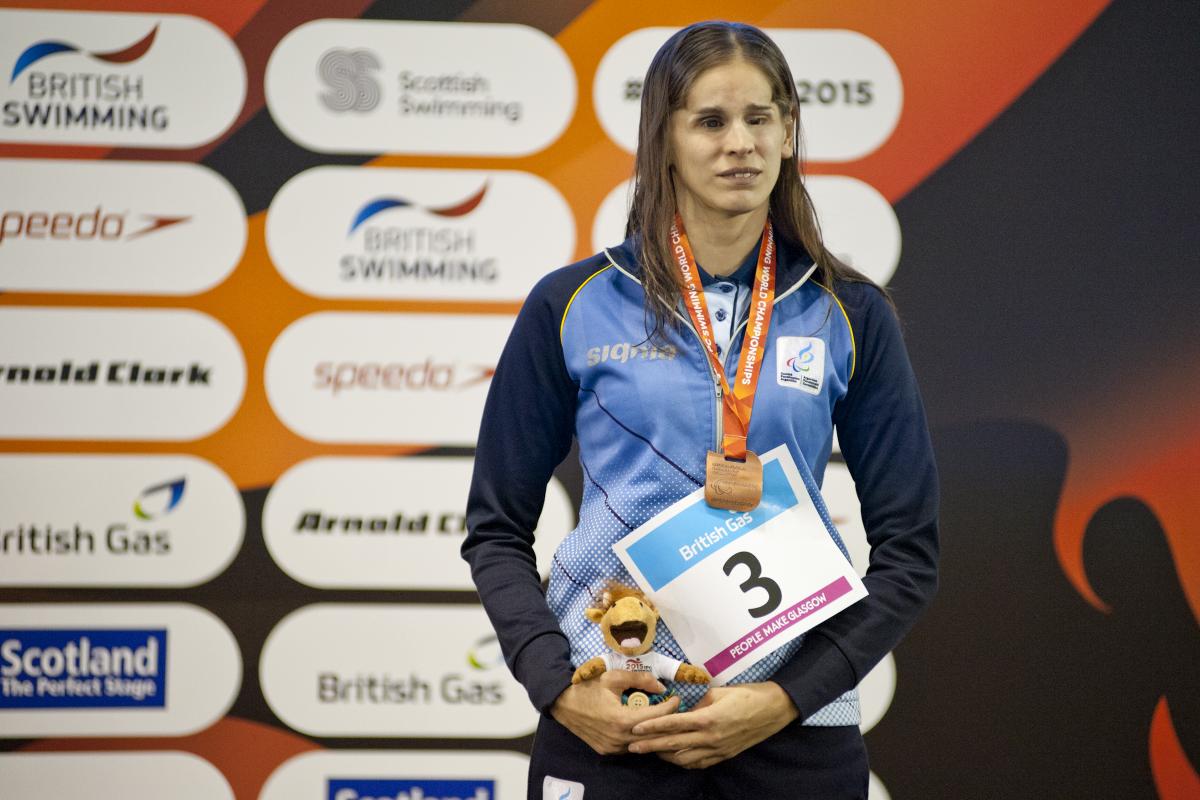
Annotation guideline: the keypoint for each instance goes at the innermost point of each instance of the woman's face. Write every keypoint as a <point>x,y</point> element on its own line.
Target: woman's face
<point>727,143</point>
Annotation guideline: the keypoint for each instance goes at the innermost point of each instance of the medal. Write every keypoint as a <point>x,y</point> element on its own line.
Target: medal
<point>733,485</point>
<point>733,477</point>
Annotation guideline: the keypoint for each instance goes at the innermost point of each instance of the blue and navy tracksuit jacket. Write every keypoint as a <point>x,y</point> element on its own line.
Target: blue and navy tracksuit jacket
<point>578,365</point>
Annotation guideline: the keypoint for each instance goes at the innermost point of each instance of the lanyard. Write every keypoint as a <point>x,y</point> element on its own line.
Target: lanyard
<point>740,402</point>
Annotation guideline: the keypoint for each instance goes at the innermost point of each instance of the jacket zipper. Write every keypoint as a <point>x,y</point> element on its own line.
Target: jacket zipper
<point>718,411</point>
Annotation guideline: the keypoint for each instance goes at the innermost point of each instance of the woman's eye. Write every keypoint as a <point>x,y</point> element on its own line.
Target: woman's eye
<point>710,122</point>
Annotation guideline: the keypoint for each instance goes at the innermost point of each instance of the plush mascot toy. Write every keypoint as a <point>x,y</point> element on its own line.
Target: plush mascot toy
<point>628,620</point>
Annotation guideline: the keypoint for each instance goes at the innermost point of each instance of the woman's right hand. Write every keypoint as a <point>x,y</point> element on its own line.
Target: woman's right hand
<point>592,709</point>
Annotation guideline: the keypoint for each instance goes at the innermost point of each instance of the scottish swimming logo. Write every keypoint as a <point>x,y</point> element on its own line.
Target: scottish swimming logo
<point>800,362</point>
<point>52,668</point>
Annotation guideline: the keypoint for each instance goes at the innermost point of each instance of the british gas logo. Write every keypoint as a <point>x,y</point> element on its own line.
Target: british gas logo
<point>116,79</point>
<point>430,88</point>
<point>152,669</point>
<point>336,377</point>
<point>158,500</point>
<point>325,671</point>
<point>153,520</point>
<point>418,234</point>
<point>387,523</point>
<point>117,227</point>
<point>801,363</point>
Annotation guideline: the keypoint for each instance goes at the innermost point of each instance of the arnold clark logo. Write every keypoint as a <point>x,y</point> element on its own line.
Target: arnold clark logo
<point>140,374</point>
<point>385,378</point>
<point>140,80</point>
<point>370,86</point>
<point>126,669</point>
<point>858,224</point>
<point>418,234</point>
<point>117,227</point>
<point>150,520</point>
<point>326,671</point>
<point>399,775</point>
<point>848,86</point>
<point>385,523</point>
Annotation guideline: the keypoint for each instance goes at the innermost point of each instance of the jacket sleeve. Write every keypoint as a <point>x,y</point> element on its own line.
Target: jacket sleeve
<point>526,431</point>
<point>885,440</point>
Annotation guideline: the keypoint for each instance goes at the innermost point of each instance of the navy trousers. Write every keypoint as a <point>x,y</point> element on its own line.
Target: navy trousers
<point>797,762</point>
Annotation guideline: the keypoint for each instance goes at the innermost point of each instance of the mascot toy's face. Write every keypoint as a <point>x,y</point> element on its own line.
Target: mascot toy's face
<point>628,625</point>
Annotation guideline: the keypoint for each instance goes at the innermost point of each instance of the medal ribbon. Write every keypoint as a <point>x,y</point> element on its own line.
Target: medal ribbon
<point>740,402</point>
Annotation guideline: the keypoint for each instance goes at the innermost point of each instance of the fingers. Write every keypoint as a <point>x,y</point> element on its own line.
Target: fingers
<point>693,720</point>
<point>620,680</point>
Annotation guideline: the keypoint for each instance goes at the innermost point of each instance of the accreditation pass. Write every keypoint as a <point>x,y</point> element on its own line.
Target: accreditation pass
<point>734,586</point>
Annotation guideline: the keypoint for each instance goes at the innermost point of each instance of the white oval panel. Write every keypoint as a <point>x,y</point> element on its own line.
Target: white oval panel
<point>120,227</point>
<point>129,776</point>
<point>388,774</point>
<point>127,80</point>
<point>849,89</point>
<point>841,499</point>
<point>116,520</point>
<point>129,373</point>
<point>859,226</point>
<point>385,378</point>
<point>875,692</point>
<point>386,523</point>
<point>444,88</point>
<point>361,670</point>
<point>114,669</point>
<point>418,234</point>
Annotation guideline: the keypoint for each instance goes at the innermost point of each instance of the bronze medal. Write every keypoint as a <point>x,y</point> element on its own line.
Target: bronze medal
<point>731,484</point>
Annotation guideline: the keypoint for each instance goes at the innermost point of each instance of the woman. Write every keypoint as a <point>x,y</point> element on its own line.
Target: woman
<point>606,351</point>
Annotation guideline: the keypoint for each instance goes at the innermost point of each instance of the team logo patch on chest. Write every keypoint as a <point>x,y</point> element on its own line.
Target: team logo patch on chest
<point>800,363</point>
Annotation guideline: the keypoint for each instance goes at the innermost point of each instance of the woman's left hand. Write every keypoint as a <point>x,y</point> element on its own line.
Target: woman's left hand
<point>727,721</point>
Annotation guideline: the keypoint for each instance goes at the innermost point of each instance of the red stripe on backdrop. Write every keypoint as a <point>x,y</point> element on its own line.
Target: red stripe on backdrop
<point>245,752</point>
<point>1174,776</point>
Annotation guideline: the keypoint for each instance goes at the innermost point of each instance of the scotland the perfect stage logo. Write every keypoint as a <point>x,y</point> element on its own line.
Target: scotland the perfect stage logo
<point>410,789</point>
<point>88,668</point>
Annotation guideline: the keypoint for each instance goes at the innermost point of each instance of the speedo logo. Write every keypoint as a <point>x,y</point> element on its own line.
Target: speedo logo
<point>623,352</point>
<point>410,789</point>
<point>427,375</point>
<point>84,226</point>
<point>55,669</point>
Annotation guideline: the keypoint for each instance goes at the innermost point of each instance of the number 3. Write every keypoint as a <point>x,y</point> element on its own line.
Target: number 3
<point>756,581</point>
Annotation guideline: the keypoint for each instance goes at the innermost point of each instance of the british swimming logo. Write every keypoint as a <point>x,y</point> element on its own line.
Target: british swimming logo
<point>381,204</point>
<point>49,47</point>
<point>800,363</point>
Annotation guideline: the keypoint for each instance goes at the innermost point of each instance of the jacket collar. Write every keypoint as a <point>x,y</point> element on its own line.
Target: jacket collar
<point>795,265</point>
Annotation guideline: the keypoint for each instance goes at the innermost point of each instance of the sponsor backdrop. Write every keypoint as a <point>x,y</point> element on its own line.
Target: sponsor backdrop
<point>257,262</point>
